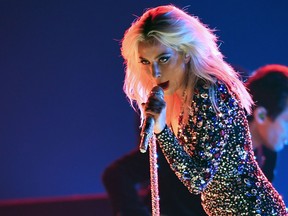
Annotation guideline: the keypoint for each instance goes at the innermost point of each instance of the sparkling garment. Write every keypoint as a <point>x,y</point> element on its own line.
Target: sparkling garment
<point>213,155</point>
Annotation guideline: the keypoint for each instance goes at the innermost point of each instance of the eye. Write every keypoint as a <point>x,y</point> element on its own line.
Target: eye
<point>164,59</point>
<point>144,62</point>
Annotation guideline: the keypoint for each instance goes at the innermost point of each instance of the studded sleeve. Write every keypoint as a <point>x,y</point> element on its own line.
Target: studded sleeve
<point>195,154</point>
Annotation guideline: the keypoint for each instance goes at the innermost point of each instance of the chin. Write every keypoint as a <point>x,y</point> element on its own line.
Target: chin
<point>168,92</point>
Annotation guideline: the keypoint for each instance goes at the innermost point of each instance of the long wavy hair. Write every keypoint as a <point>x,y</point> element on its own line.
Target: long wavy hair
<point>176,29</point>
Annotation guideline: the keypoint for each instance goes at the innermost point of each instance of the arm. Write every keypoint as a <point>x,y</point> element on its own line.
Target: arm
<point>196,154</point>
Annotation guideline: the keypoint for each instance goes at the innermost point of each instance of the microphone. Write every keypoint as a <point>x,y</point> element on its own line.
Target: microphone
<point>148,124</point>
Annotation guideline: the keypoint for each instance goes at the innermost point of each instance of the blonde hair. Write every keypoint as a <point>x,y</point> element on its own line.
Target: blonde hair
<point>184,33</point>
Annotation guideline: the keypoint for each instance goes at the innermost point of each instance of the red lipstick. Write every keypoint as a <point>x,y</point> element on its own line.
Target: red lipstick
<point>164,85</point>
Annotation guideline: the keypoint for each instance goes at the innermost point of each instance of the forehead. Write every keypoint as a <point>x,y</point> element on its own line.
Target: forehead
<point>152,49</point>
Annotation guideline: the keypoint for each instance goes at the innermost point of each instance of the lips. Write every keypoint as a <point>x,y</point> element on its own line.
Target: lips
<point>164,85</point>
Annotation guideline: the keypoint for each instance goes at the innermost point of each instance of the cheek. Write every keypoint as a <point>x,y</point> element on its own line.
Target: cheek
<point>179,72</point>
<point>268,133</point>
<point>144,69</point>
<point>145,72</point>
<point>276,132</point>
<point>178,78</point>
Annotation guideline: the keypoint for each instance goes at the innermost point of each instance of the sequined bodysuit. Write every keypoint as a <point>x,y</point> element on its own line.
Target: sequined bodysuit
<point>212,155</point>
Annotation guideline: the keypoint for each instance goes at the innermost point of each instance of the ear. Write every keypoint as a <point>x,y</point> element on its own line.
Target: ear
<point>187,58</point>
<point>260,115</point>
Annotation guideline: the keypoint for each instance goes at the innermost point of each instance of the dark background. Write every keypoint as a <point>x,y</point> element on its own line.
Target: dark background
<point>63,114</point>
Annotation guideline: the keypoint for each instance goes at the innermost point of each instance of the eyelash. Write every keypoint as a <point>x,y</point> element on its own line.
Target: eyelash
<point>144,62</point>
<point>162,59</point>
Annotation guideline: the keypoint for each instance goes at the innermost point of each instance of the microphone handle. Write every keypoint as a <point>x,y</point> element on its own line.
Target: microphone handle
<point>146,133</point>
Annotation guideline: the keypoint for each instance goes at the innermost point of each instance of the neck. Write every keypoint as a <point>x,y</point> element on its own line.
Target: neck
<point>255,136</point>
<point>174,105</point>
<point>181,92</point>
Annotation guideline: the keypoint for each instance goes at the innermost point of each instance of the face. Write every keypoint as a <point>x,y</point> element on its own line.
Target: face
<point>164,66</point>
<point>274,133</point>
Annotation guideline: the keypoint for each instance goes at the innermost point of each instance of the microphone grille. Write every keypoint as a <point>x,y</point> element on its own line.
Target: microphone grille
<point>157,90</point>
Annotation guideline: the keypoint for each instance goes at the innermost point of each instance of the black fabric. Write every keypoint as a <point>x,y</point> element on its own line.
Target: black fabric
<point>125,176</point>
<point>267,160</point>
<point>122,179</point>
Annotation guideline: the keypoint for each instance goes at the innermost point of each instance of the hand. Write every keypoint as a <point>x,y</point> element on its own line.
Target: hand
<point>156,107</point>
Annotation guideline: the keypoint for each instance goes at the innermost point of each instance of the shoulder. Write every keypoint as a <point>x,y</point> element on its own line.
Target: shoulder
<point>216,94</point>
<point>205,90</point>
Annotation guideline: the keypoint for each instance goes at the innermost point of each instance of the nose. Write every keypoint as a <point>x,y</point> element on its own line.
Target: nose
<point>155,71</point>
